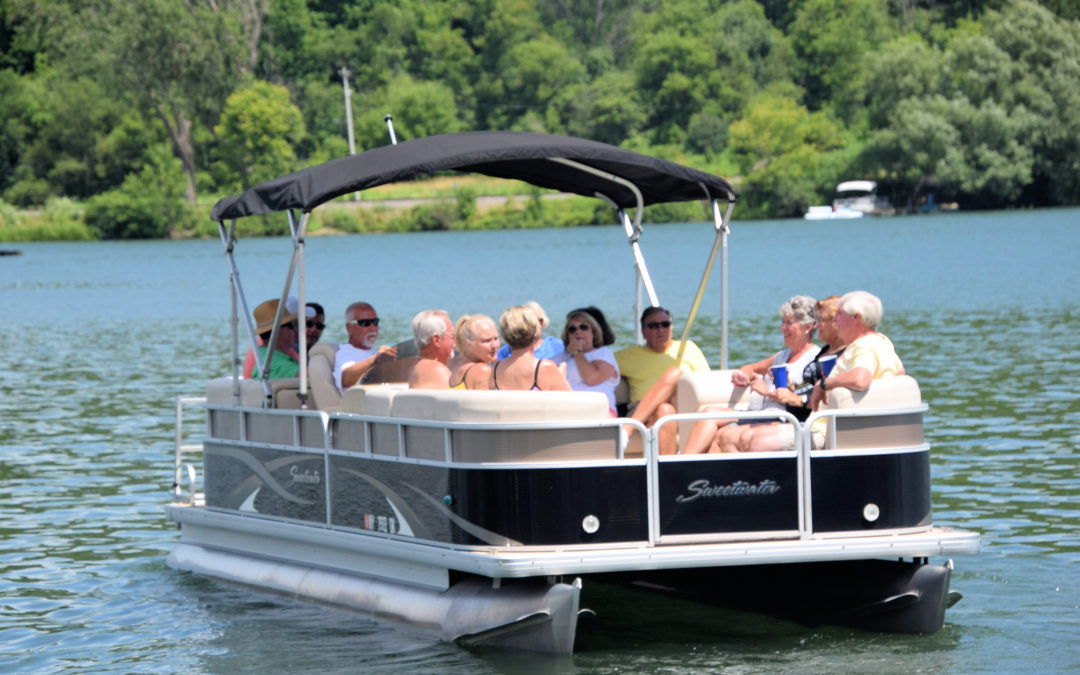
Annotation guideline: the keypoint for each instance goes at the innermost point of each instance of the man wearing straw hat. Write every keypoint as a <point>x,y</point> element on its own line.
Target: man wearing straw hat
<point>282,364</point>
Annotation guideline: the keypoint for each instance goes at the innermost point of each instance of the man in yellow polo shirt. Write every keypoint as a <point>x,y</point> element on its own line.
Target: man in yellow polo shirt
<point>653,372</point>
<point>868,356</point>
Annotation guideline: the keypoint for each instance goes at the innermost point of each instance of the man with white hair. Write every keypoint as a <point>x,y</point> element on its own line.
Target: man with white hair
<point>868,356</point>
<point>356,357</point>
<point>434,335</point>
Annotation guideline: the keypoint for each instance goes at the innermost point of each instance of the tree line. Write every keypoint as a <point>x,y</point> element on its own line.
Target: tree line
<point>145,112</point>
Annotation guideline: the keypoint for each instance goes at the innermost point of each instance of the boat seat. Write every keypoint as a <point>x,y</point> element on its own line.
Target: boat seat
<point>219,391</point>
<point>714,387</point>
<point>324,393</point>
<point>491,445</point>
<point>873,431</point>
<point>285,392</point>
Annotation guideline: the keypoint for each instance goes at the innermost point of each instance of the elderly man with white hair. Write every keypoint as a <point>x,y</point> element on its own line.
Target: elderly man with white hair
<point>434,335</point>
<point>356,357</point>
<point>868,356</point>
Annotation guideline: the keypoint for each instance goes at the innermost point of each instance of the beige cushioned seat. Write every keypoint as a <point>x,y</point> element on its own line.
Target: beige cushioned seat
<point>324,393</point>
<point>713,387</point>
<point>506,406</point>
<point>219,391</point>
<point>877,431</point>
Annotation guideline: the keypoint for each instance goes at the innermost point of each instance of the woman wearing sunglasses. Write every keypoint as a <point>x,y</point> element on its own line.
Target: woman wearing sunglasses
<point>589,364</point>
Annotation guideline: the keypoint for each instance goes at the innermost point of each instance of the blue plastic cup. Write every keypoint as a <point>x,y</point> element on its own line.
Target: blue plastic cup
<point>827,363</point>
<point>779,376</point>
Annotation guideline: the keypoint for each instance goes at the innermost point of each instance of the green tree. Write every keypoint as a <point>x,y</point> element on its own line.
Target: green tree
<point>832,39</point>
<point>608,109</point>
<point>258,128</point>
<point>175,61</point>
<point>419,109</point>
<point>149,204</point>
<point>779,147</point>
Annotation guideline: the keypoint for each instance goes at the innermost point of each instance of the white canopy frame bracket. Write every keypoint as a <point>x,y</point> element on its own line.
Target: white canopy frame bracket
<point>633,233</point>
<point>240,307</point>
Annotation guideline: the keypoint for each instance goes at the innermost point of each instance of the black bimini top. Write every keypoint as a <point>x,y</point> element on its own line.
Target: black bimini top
<point>502,154</point>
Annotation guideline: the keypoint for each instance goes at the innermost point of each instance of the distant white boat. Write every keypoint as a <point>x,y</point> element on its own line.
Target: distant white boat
<point>861,195</point>
<point>830,213</point>
<point>854,199</point>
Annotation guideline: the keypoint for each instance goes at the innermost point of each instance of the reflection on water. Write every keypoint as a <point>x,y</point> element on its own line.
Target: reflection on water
<point>98,338</point>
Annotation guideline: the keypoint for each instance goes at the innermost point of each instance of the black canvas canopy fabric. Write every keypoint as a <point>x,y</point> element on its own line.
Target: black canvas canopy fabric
<point>503,154</point>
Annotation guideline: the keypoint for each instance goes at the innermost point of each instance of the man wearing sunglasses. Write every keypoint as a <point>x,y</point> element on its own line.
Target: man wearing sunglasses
<point>316,322</point>
<point>653,372</point>
<point>355,357</point>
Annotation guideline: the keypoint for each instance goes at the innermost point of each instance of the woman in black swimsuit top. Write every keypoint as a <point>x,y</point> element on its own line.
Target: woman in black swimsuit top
<point>520,329</point>
<point>536,372</point>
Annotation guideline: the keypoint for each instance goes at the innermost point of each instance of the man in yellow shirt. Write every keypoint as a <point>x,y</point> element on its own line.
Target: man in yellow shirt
<point>868,356</point>
<point>653,371</point>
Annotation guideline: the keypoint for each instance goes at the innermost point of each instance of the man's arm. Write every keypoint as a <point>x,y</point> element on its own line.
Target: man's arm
<point>352,373</point>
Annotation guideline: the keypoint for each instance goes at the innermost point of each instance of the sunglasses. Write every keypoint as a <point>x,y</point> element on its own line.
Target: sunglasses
<point>365,322</point>
<point>320,326</point>
<point>653,325</point>
<point>573,329</point>
<point>291,325</point>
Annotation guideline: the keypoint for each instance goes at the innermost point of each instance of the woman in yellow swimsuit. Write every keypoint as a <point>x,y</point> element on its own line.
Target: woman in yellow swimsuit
<point>476,342</point>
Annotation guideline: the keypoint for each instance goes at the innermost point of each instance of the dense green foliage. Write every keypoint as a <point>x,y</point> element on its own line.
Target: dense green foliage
<point>148,111</point>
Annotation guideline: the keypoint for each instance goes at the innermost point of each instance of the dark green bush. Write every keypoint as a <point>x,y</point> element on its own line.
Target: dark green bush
<point>147,205</point>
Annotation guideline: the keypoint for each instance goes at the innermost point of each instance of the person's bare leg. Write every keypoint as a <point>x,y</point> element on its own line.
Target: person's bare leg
<point>769,438</point>
<point>727,439</point>
<point>662,391</point>
<point>702,434</point>
<point>745,434</point>
<point>667,438</point>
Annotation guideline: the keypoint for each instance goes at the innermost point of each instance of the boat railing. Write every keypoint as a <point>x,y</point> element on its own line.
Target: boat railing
<point>435,442</point>
<point>183,448</point>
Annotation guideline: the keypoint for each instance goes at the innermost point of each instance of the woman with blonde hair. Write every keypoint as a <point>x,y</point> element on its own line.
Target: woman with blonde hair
<point>520,328</point>
<point>477,342</point>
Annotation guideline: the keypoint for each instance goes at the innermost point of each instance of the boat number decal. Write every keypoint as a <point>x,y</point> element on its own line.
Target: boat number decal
<point>385,524</point>
<point>740,488</point>
<point>305,477</point>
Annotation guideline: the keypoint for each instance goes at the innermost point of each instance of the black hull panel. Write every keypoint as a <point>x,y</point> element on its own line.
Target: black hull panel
<point>882,595</point>
<point>895,487</point>
<point>497,506</point>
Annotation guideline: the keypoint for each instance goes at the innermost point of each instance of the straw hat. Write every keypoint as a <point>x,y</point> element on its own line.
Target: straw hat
<point>264,316</point>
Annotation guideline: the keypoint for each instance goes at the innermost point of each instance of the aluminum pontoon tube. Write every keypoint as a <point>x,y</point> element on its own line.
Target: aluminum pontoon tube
<point>537,616</point>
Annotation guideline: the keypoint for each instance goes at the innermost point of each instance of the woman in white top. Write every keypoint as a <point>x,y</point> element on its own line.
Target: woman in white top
<point>588,364</point>
<point>798,321</point>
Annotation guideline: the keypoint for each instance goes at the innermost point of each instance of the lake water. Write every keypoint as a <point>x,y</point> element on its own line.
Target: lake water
<point>98,338</point>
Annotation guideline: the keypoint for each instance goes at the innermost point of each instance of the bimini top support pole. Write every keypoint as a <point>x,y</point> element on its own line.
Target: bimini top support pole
<point>633,232</point>
<point>298,230</point>
<point>719,244</point>
<point>228,240</point>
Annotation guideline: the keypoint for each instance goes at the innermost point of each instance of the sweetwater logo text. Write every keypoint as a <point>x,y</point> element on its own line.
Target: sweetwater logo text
<point>740,488</point>
<point>303,477</point>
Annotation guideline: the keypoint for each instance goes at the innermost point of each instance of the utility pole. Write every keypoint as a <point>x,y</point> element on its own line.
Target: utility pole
<point>344,72</point>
